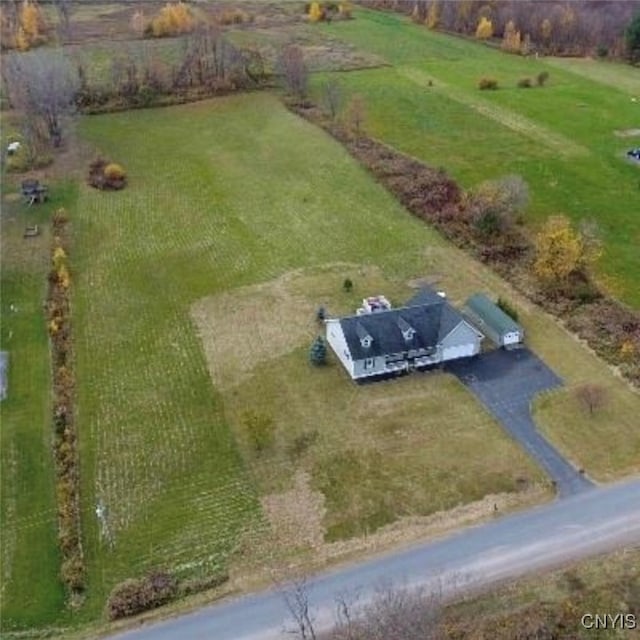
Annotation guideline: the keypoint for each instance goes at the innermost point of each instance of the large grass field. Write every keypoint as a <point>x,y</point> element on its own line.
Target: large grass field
<point>194,292</point>
<point>560,138</point>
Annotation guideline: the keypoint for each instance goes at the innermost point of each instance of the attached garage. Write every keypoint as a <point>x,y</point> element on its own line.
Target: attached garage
<point>489,318</point>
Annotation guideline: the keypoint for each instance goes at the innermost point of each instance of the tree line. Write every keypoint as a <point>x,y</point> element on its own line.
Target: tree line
<point>554,27</point>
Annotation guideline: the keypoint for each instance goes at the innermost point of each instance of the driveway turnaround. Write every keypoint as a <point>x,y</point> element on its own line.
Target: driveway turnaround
<point>506,382</point>
<point>547,536</point>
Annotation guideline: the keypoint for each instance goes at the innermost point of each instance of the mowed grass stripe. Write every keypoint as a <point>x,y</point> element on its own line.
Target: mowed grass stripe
<point>221,194</point>
<point>31,591</point>
<point>619,77</point>
<point>556,142</point>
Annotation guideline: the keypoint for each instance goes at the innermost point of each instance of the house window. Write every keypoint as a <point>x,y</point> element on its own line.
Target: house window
<point>368,363</point>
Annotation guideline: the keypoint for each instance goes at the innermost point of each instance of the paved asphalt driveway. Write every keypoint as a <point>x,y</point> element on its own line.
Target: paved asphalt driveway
<point>506,382</point>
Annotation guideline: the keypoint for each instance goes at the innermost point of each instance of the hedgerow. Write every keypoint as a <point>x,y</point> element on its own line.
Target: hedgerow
<point>72,570</point>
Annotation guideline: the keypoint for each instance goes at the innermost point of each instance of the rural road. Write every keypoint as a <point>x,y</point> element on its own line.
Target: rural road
<point>602,519</point>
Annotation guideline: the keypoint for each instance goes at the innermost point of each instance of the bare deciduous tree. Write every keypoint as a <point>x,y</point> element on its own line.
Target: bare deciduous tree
<point>333,98</point>
<point>356,114</point>
<point>63,8</point>
<point>42,84</point>
<point>296,598</point>
<point>591,397</point>
<point>293,69</point>
<point>394,612</point>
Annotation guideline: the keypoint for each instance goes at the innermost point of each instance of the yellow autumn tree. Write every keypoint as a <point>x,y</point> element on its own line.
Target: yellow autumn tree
<point>627,350</point>
<point>511,38</point>
<point>173,19</point>
<point>22,41</point>
<point>559,251</point>
<point>32,27</point>
<point>315,12</point>
<point>484,30</point>
<point>433,15</point>
<point>346,9</point>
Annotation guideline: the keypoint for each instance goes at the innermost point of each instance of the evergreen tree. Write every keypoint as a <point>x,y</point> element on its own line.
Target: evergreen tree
<point>318,352</point>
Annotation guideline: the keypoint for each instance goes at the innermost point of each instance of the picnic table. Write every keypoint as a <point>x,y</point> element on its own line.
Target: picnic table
<point>33,192</point>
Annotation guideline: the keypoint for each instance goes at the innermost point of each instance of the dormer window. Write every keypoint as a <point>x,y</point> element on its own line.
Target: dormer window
<point>408,332</point>
<point>364,336</point>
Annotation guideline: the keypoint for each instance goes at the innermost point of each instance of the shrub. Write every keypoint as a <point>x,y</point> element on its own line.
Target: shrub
<point>485,84</point>
<point>602,51</point>
<point>347,285</point>
<point>114,171</point>
<point>508,308</point>
<point>525,83</point>
<point>72,573</point>
<point>132,597</point>
<point>542,78</point>
<point>104,175</point>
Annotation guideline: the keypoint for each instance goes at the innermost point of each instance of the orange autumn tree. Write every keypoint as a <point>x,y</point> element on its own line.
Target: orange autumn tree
<point>31,28</point>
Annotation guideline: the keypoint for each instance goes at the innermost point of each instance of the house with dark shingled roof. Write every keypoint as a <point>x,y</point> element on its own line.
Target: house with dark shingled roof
<point>427,331</point>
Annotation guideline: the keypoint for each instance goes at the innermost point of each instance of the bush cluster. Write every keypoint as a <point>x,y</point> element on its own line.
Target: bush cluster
<point>106,175</point>
<point>525,83</point>
<point>157,588</point>
<point>135,596</point>
<point>72,570</point>
<point>485,84</point>
<point>175,18</point>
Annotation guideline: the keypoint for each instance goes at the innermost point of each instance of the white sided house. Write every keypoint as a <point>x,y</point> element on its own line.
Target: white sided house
<point>386,341</point>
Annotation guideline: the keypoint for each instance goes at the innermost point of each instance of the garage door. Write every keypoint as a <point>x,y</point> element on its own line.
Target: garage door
<point>511,338</point>
<point>459,351</point>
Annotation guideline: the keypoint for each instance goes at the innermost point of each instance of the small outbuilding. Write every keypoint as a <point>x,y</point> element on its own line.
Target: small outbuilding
<point>491,320</point>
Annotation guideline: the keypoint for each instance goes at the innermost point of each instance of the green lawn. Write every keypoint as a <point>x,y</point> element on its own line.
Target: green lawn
<point>221,194</point>
<point>560,138</point>
<point>372,453</point>
<point>31,593</point>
